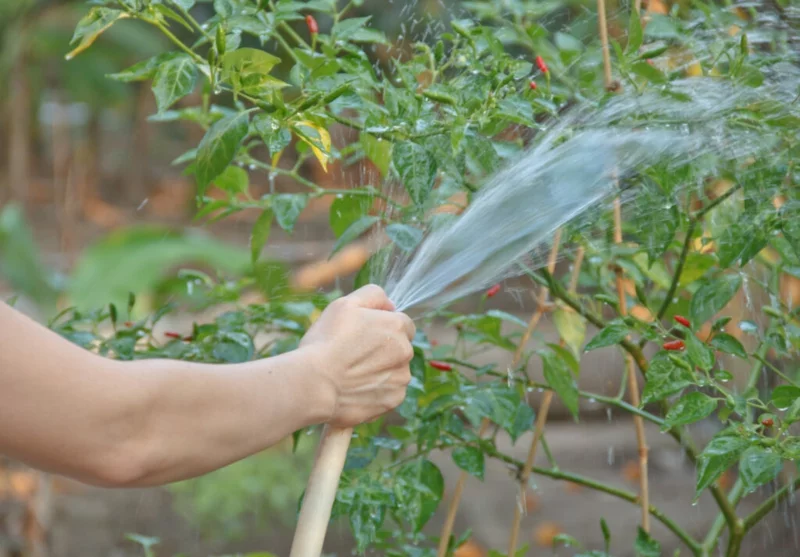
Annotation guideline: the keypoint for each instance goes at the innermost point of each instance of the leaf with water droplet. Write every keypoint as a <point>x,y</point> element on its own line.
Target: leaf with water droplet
<point>354,231</point>
<point>287,208</point>
<point>470,459</point>
<point>690,409</point>
<point>712,297</point>
<point>611,334</point>
<point>758,466</point>
<point>698,353</point>
<point>646,546</point>
<point>416,169</point>
<point>404,236</point>
<point>347,209</point>
<point>665,378</point>
<point>720,453</point>
<point>218,148</point>
<point>260,234</point>
<point>558,376</point>
<point>571,327</point>
<point>174,79</point>
<point>784,396</point>
<point>728,344</point>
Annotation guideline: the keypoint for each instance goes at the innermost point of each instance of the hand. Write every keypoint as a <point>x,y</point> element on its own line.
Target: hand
<point>363,348</point>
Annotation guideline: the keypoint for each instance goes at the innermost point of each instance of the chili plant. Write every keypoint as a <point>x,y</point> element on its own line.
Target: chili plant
<point>434,117</point>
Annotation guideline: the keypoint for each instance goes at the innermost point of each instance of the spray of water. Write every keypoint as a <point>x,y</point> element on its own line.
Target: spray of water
<point>575,165</point>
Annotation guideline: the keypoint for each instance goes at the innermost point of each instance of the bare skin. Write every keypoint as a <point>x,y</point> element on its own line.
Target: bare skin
<point>125,424</point>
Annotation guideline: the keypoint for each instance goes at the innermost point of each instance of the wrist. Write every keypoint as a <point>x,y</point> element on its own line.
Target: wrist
<point>320,393</point>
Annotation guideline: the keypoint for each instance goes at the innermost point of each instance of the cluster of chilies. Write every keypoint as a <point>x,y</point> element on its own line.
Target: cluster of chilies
<point>542,65</point>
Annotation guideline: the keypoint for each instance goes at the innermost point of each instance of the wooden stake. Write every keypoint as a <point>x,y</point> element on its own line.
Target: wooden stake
<point>633,384</point>
<point>447,528</point>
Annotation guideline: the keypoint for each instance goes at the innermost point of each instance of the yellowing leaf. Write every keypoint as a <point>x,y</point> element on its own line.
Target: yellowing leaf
<point>92,26</point>
<point>317,138</point>
<point>571,327</point>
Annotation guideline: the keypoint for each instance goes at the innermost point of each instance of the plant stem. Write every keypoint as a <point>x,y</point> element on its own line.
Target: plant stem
<point>690,542</point>
<point>737,491</point>
<point>676,276</point>
<point>176,41</point>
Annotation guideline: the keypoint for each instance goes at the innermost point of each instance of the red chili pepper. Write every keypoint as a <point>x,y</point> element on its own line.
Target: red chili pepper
<point>434,343</point>
<point>649,61</point>
<point>683,321</point>
<point>674,345</point>
<point>768,422</point>
<point>171,334</point>
<point>128,324</point>
<point>540,63</point>
<point>533,86</point>
<point>313,28</point>
<point>493,291</point>
<point>188,339</point>
<point>441,366</point>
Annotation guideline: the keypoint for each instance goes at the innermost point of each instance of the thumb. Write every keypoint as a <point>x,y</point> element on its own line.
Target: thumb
<point>372,297</point>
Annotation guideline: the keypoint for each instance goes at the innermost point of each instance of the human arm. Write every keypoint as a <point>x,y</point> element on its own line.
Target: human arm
<point>149,422</point>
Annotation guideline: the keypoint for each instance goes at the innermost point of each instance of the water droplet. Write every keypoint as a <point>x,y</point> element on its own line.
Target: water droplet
<point>252,167</point>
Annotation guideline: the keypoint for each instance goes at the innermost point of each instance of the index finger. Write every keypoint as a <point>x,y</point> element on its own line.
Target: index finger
<point>372,296</point>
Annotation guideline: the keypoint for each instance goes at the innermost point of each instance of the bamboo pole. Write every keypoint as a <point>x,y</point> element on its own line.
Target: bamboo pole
<point>541,420</point>
<point>452,510</point>
<point>630,371</point>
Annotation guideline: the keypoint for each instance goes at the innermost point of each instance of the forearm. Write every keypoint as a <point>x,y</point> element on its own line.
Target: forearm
<point>105,422</point>
<point>200,417</point>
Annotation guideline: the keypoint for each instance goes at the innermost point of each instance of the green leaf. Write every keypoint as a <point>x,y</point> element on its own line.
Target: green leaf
<point>91,26</point>
<point>347,28</point>
<point>233,347</point>
<point>728,344</point>
<point>406,237</point>
<point>481,150</point>
<point>431,482</point>
<point>558,376</point>
<point>347,209</point>
<point>645,546</point>
<point>784,396</point>
<point>244,63</point>
<point>758,466</point>
<point>712,296</point>
<point>416,169</point>
<point>287,208</point>
<point>720,453</point>
<point>611,334</point>
<point>793,413</point>
<point>664,378</point>
<point>144,70</point>
<point>378,151</point>
<point>634,34</point>
<point>648,72</point>
<point>471,460</point>
<point>571,326</point>
<point>260,234</point>
<point>791,448</point>
<point>690,409</point>
<point>233,180</point>
<point>698,353</point>
<point>354,231</point>
<point>520,421</point>
<point>218,148</point>
<point>275,135</point>
<point>174,79</point>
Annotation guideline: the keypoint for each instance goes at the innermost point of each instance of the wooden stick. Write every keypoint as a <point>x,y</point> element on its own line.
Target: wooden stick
<point>633,384</point>
<point>447,528</point>
<point>315,512</point>
<point>541,419</point>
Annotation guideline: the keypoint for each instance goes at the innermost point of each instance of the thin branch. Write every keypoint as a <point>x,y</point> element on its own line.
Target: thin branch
<point>764,508</point>
<point>684,536</point>
<point>676,276</point>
